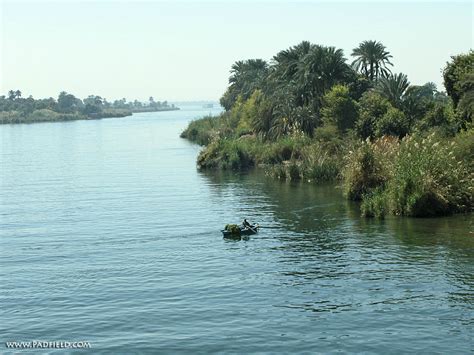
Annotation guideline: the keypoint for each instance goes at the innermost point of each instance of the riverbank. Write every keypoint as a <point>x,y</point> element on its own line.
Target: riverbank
<point>415,176</point>
<point>400,149</point>
<point>16,109</point>
<point>45,115</point>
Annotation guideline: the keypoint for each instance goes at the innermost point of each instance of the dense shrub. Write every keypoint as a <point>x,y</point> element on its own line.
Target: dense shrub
<point>339,109</point>
<point>374,204</point>
<point>203,130</point>
<point>392,123</point>
<point>368,167</point>
<point>227,154</point>
<point>429,180</point>
<point>442,117</point>
<point>463,148</point>
<point>372,108</point>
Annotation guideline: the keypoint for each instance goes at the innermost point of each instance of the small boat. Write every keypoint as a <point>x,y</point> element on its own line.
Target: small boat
<point>233,231</point>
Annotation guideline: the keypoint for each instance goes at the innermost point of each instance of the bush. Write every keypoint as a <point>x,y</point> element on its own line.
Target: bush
<point>368,167</point>
<point>429,180</point>
<point>321,163</point>
<point>228,154</point>
<point>374,204</point>
<point>372,108</point>
<point>288,171</point>
<point>463,148</point>
<point>203,131</point>
<point>339,108</point>
<point>441,116</point>
<point>392,123</point>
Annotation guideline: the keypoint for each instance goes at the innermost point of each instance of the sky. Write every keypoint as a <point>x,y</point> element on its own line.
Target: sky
<point>183,50</point>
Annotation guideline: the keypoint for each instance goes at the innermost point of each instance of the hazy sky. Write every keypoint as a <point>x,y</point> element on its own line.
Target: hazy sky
<point>183,50</point>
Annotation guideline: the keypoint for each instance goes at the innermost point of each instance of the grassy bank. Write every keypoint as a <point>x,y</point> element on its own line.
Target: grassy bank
<point>291,158</point>
<point>416,176</point>
<point>419,175</point>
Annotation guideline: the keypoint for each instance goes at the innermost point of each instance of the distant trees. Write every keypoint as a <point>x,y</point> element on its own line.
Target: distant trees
<point>15,109</point>
<point>14,94</point>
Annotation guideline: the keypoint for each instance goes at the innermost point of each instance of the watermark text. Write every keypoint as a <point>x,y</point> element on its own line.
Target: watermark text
<point>43,344</point>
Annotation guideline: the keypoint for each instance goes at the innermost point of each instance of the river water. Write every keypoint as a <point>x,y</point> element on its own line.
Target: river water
<point>110,235</point>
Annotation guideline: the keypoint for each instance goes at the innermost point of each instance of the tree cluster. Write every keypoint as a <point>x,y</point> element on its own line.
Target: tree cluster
<point>92,106</point>
<point>307,87</point>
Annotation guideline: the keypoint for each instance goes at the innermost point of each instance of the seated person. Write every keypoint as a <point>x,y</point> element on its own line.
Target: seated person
<point>246,224</point>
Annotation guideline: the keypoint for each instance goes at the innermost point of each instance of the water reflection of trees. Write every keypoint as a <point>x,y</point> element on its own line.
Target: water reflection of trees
<point>323,242</point>
<point>300,207</point>
<point>447,242</point>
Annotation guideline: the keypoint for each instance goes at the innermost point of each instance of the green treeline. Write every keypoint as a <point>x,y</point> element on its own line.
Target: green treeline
<point>309,114</point>
<point>15,109</point>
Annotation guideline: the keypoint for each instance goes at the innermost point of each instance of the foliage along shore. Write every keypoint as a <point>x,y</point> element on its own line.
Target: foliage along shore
<point>309,115</point>
<point>15,109</point>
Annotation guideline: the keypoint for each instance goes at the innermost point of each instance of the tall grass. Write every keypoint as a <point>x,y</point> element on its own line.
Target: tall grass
<point>419,177</point>
<point>368,166</point>
<point>429,180</point>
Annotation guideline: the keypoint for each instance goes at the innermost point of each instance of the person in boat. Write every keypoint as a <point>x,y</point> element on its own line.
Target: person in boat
<point>246,224</point>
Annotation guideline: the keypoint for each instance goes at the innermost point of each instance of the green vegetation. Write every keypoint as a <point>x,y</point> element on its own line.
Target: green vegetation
<point>398,148</point>
<point>416,176</point>
<point>233,229</point>
<point>15,109</point>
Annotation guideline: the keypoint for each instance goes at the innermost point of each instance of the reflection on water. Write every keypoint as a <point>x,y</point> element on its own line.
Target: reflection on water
<point>332,260</point>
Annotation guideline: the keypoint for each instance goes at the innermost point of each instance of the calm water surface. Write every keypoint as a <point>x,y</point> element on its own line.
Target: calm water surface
<point>109,234</point>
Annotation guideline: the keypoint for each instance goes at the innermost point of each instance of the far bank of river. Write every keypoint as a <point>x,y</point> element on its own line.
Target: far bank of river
<point>44,115</point>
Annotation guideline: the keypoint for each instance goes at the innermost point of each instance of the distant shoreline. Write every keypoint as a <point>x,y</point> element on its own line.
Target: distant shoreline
<point>45,115</point>
<point>16,109</point>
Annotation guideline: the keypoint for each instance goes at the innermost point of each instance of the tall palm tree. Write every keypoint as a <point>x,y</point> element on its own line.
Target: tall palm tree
<point>372,59</point>
<point>246,76</point>
<point>319,70</point>
<point>393,88</point>
<point>285,63</point>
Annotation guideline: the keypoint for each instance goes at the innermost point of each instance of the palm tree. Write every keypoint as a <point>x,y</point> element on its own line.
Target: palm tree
<point>246,73</point>
<point>319,70</point>
<point>372,59</point>
<point>393,88</point>
<point>14,94</point>
<point>285,63</point>
<point>246,77</point>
